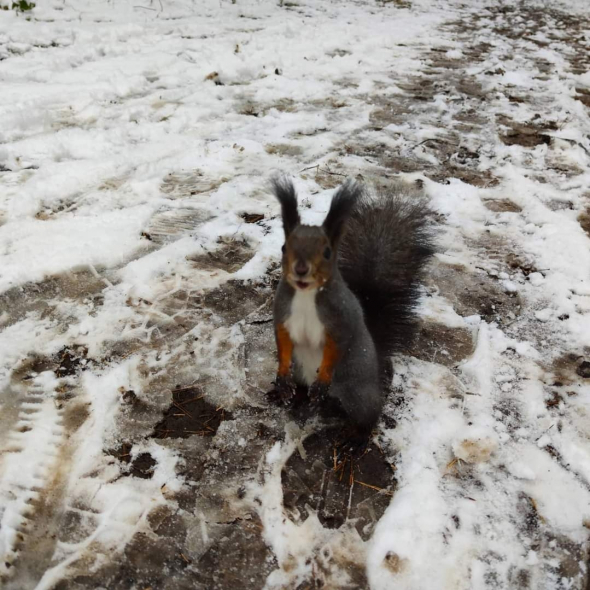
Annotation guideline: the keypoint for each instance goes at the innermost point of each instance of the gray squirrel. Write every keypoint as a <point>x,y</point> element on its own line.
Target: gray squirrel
<point>347,297</point>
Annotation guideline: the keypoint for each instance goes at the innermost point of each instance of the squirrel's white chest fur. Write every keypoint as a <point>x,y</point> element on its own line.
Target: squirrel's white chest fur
<point>307,334</point>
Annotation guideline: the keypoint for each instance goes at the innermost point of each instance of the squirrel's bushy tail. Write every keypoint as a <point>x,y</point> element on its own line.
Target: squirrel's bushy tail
<point>387,243</point>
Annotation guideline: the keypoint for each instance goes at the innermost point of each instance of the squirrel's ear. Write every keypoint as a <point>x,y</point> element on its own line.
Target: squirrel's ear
<point>342,204</point>
<point>284,191</point>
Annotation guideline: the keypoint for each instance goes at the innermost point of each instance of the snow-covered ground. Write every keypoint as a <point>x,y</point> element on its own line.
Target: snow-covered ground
<point>138,251</point>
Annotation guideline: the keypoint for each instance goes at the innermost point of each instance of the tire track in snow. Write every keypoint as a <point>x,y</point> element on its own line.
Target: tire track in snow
<point>31,473</point>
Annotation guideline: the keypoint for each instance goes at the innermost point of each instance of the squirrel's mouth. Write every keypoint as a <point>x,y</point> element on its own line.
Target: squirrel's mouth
<point>302,283</point>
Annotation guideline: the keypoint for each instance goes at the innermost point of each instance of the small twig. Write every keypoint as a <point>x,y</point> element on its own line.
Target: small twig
<point>176,405</point>
<point>435,139</point>
<point>349,506</point>
<point>455,463</point>
<point>423,142</point>
<point>146,8</point>
<point>193,399</point>
<point>574,142</point>
<point>324,170</point>
<point>544,433</point>
<point>377,489</point>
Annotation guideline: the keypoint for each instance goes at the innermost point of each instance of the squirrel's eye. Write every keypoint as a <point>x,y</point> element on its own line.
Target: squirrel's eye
<point>327,253</point>
<point>283,249</point>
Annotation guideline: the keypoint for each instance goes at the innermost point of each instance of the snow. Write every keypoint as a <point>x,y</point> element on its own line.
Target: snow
<point>135,141</point>
<point>47,245</point>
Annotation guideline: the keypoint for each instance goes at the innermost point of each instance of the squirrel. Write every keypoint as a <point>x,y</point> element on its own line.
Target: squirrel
<point>347,297</point>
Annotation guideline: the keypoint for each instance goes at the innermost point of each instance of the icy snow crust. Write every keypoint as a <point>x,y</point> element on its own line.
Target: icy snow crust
<point>138,251</point>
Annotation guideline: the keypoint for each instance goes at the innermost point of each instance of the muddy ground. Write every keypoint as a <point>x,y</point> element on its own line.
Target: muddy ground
<point>221,448</point>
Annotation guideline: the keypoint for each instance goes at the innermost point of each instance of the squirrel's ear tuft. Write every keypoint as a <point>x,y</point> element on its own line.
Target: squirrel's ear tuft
<point>284,191</point>
<point>342,204</point>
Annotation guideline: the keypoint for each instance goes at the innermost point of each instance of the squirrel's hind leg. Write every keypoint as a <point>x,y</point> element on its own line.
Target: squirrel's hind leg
<point>362,404</point>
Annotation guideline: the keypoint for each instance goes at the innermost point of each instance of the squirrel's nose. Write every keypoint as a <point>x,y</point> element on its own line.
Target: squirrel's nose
<point>301,268</point>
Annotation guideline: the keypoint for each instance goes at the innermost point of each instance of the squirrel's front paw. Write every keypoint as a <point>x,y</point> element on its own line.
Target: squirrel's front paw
<point>285,387</point>
<point>318,392</point>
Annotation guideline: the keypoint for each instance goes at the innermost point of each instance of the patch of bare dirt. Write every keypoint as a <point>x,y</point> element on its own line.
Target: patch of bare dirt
<point>31,366</point>
<point>252,217</point>
<point>501,206</point>
<point>388,110</point>
<point>239,559</point>
<point>71,360</point>
<point>171,558</point>
<point>230,256</point>
<point>526,138</point>
<point>285,105</point>
<point>168,225</point>
<point>477,178</point>
<point>570,370</point>
<point>141,466</point>
<point>337,486</point>
<point>469,120</point>
<point>525,265</point>
<point>583,95</point>
<point>40,297</point>
<point>441,344</point>
<point>455,161</point>
<point>189,414</point>
<point>327,178</point>
<point>449,155</point>
<point>584,220</point>
<point>188,184</point>
<point>560,205</point>
<point>283,149</point>
<point>475,293</point>
<point>235,300</point>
